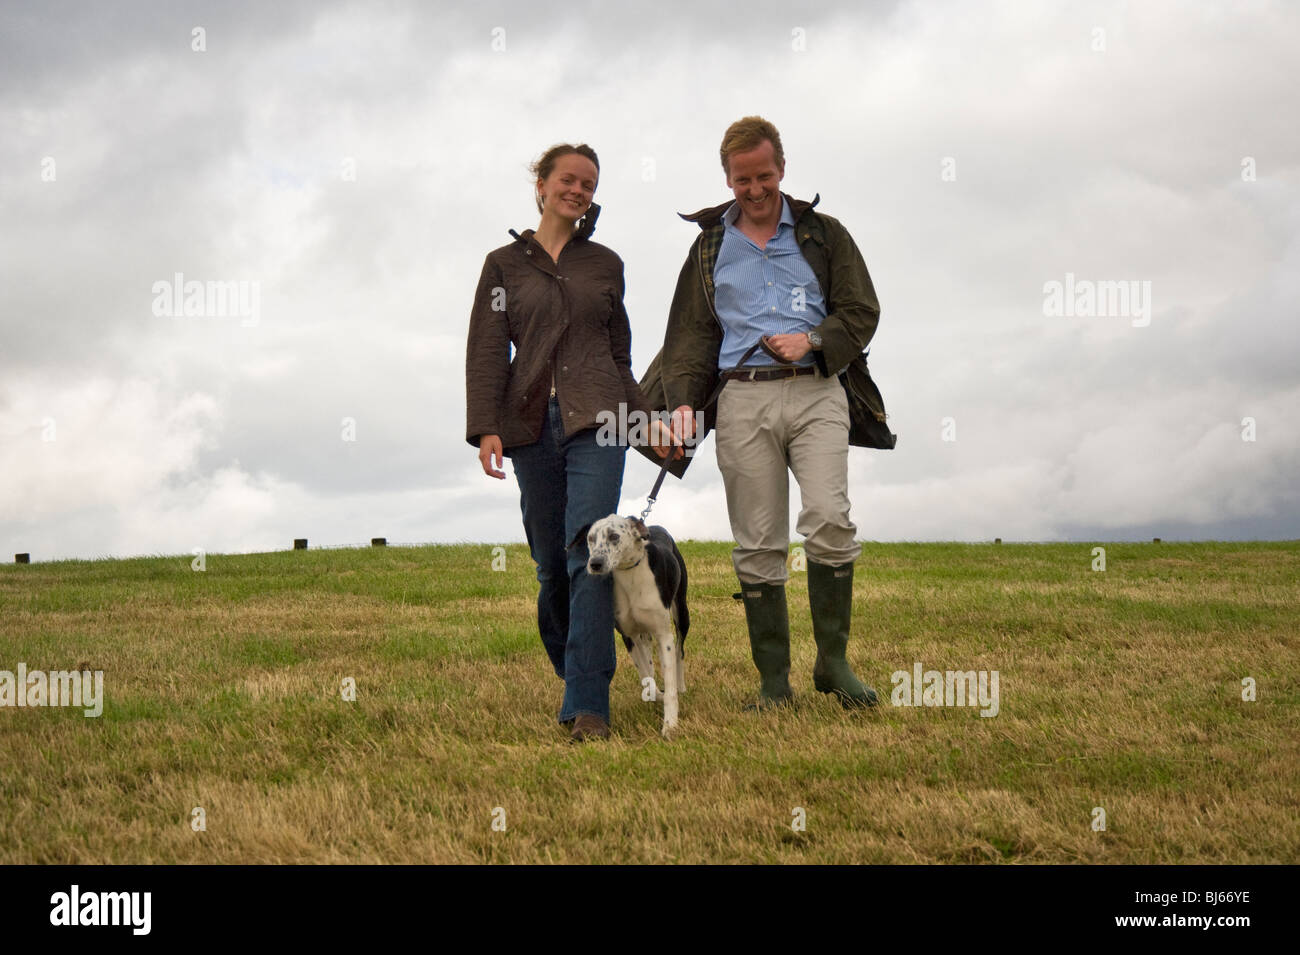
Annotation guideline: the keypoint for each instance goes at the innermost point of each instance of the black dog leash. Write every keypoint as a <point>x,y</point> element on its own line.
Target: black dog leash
<point>659,482</point>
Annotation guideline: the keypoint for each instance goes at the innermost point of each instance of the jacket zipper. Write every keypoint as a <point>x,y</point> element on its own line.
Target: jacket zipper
<point>558,278</point>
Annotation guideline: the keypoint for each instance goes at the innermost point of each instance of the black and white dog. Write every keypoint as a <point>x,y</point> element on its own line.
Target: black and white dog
<point>649,599</point>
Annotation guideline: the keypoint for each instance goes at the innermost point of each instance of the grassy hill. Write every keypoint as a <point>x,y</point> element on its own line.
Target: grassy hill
<point>1119,689</point>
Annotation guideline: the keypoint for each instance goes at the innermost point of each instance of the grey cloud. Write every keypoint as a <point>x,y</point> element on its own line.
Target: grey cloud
<point>1122,165</point>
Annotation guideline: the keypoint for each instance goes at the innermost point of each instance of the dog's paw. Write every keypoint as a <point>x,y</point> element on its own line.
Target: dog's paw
<point>669,730</point>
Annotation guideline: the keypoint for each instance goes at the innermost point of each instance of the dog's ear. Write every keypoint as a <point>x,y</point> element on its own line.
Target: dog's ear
<point>639,526</point>
<point>579,537</point>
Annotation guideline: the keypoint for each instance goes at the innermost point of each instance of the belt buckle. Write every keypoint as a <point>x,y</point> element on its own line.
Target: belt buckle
<point>752,373</point>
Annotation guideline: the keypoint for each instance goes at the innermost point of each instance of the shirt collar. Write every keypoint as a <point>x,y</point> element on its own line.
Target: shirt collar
<point>733,213</point>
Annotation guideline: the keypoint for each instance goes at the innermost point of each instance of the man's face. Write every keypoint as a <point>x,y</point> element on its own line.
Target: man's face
<point>755,178</point>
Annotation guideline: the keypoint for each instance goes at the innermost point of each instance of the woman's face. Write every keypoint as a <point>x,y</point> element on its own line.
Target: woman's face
<point>568,190</point>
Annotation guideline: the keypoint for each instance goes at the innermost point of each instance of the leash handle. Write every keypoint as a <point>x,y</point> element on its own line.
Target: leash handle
<point>767,347</point>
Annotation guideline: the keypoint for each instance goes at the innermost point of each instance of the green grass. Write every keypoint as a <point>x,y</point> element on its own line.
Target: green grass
<point>1119,689</point>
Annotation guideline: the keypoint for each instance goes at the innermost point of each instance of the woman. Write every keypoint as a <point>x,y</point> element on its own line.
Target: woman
<point>557,298</point>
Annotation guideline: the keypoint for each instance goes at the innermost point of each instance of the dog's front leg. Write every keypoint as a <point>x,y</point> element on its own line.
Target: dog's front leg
<point>668,661</point>
<point>645,667</point>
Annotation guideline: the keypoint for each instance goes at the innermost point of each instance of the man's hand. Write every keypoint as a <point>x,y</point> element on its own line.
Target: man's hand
<point>489,446</point>
<point>790,347</point>
<point>683,426</point>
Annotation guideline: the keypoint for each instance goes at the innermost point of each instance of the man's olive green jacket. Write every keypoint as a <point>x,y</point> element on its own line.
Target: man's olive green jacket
<point>685,372</point>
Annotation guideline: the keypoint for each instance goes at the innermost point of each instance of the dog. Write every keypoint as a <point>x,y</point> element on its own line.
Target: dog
<point>649,599</point>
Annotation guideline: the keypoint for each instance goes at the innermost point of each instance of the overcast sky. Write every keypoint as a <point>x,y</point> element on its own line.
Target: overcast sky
<point>356,161</point>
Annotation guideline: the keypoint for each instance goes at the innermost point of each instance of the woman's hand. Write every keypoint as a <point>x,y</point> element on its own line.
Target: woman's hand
<point>489,446</point>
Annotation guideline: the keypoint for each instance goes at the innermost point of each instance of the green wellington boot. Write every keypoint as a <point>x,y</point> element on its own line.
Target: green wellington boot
<point>769,641</point>
<point>830,594</point>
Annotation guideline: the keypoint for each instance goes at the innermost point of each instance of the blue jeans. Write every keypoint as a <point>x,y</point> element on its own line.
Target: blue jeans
<point>565,484</point>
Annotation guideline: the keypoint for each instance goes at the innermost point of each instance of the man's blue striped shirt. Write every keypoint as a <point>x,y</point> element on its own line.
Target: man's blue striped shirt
<point>768,291</point>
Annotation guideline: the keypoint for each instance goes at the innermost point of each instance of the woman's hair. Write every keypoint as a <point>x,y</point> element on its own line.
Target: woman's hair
<point>749,133</point>
<point>546,165</point>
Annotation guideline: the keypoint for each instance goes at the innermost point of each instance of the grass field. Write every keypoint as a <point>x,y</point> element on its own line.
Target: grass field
<point>1119,689</point>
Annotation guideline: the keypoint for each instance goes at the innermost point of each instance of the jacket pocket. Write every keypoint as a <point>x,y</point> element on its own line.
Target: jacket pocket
<point>867,417</point>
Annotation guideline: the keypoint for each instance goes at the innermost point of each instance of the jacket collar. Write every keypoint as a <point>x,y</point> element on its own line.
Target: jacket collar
<point>708,218</point>
<point>586,226</point>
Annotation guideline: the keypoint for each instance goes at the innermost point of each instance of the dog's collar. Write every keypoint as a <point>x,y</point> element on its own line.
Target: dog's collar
<point>637,564</point>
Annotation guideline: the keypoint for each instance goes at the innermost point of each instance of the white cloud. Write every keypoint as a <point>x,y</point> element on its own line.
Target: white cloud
<point>1122,164</point>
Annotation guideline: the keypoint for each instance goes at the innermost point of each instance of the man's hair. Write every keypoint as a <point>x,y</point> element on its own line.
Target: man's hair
<point>543,168</point>
<point>749,133</point>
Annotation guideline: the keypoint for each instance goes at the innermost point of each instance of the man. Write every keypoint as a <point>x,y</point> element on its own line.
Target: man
<point>768,268</point>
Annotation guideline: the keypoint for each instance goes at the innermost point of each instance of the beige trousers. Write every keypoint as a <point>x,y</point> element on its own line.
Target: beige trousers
<point>765,430</point>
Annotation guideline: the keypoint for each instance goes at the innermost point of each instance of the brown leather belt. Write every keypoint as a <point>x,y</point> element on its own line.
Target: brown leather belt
<point>768,374</point>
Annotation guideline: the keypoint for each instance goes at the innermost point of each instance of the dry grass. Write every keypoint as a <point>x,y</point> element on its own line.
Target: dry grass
<point>1119,689</point>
